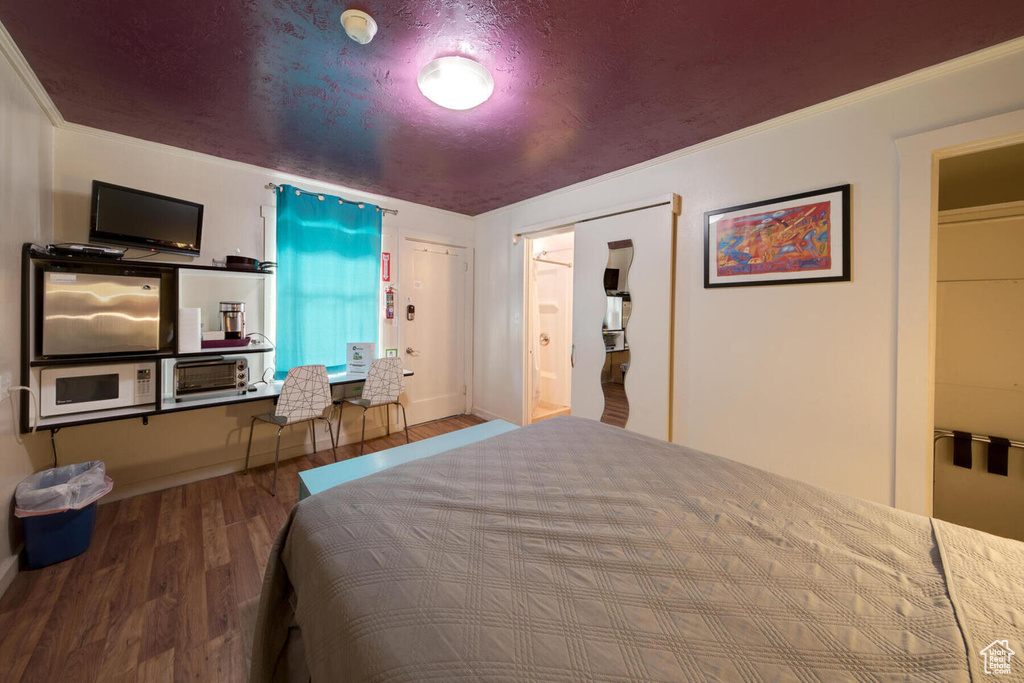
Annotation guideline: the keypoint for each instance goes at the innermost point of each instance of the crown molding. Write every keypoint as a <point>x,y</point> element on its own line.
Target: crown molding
<point>28,77</point>
<point>273,175</point>
<point>988,54</point>
<point>31,81</point>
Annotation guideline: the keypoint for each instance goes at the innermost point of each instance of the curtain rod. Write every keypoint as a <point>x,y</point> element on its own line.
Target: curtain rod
<point>275,186</point>
<point>566,227</point>
<point>554,263</point>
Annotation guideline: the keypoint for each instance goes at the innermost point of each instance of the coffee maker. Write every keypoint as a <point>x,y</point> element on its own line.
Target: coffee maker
<point>232,319</point>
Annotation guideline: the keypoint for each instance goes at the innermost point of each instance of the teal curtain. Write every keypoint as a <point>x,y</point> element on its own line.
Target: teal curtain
<point>328,278</point>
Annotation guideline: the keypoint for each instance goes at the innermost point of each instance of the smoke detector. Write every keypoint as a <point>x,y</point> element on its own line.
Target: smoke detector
<point>359,25</point>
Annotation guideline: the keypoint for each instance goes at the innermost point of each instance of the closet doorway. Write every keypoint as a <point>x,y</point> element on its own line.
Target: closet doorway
<point>979,375</point>
<point>919,157</point>
<point>549,325</point>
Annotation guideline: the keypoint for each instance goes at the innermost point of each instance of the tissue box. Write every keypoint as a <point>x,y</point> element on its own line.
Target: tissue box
<point>189,330</point>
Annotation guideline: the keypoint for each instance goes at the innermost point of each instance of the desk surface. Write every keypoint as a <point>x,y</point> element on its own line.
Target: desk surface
<point>170,405</point>
<point>263,391</point>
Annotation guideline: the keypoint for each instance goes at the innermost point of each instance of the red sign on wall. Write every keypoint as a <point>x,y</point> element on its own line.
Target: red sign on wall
<point>385,266</point>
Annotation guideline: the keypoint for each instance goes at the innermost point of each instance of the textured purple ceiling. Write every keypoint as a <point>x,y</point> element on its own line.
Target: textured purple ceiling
<point>581,88</point>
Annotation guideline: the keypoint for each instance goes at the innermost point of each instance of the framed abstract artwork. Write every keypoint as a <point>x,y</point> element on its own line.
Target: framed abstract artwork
<point>801,238</point>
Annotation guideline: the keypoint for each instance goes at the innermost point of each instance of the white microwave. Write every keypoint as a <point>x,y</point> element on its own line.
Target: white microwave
<point>85,388</point>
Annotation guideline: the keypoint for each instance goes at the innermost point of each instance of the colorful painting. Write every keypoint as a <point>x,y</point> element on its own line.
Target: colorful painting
<point>794,239</point>
<point>800,238</point>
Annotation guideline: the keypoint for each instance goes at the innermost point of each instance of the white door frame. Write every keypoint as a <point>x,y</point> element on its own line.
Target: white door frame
<point>528,266</point>
<point>917,258</point>
<point>402,236</point>
<point>570,223</point>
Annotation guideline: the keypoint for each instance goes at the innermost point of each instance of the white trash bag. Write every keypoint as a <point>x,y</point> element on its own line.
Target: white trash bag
<point>71,487</point>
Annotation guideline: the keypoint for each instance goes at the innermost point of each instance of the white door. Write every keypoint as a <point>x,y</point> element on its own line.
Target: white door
<point>648,329</point>
<point>432,344</point>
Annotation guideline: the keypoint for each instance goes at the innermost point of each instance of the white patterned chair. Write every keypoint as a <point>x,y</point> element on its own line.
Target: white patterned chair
<point>305,397</point>
<point>384,383</point>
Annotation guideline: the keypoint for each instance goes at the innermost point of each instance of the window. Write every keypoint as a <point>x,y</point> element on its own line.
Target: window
<point>328,278</point>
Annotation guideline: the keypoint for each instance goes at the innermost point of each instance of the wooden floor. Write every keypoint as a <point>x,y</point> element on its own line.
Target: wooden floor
<point>168,589</point>
<point>616,406</point>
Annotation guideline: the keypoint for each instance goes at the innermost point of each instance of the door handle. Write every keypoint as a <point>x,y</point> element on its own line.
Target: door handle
<point>409,350</point>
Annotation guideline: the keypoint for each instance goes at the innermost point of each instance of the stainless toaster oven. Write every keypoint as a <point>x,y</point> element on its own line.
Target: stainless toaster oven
<point>210,376</point>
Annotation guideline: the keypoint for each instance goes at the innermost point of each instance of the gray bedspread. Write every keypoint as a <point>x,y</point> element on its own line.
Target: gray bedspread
<point>574,551</point>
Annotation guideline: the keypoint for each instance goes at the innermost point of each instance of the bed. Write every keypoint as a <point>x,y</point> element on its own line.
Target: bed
<point>569,550</point>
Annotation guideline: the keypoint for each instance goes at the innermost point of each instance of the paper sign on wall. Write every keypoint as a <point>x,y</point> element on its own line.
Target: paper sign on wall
<point>359,358</point>
<point>385,266</point>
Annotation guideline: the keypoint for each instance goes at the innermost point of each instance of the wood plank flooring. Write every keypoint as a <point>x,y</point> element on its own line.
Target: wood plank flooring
<point>616,405</point>
<point>169,588</point>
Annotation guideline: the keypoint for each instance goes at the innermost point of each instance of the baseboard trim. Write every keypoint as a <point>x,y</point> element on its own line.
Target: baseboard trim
<point>481,413</point>
<point>138,488</point>
<point>9,571</point>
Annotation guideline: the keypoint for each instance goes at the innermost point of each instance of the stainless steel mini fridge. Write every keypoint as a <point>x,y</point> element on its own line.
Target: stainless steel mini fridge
<point>86,313</point>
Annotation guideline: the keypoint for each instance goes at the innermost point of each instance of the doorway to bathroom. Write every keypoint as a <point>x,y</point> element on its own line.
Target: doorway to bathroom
<point>549,325</point>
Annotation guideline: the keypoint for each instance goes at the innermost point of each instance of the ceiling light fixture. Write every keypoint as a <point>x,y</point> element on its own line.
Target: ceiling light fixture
<point>359,25</point>
<point>455,82</point>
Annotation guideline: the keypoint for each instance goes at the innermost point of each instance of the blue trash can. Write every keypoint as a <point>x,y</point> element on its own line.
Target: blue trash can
<point>58,509</point>
<point>50,539</point>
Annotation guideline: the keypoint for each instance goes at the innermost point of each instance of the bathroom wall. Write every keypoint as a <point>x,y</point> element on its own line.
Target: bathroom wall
<point>554,318</point>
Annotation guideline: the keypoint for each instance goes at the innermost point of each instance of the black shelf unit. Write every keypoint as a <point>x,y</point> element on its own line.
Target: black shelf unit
<point>90,360</point>
<point>222,269</point>
<point>225,351</point>
<point>31,343</point>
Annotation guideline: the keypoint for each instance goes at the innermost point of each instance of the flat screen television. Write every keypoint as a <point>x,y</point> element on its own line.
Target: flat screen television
<point>133,218</point>
<point>611,279</point>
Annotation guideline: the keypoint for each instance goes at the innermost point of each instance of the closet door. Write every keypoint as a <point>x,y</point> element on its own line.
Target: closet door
<point>647,331</point>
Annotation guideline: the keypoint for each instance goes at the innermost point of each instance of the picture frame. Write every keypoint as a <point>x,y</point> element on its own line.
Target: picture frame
<point>391,353</point>
<point>797,239</point>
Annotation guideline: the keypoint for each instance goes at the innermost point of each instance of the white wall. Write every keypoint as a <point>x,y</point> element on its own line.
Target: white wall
<point>140,457</point>
<point>232,193</point>
<point>797,379</point>
<point>26,176</point>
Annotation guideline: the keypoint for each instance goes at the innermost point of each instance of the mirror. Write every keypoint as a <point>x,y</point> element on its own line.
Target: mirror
<point>613,329</point>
